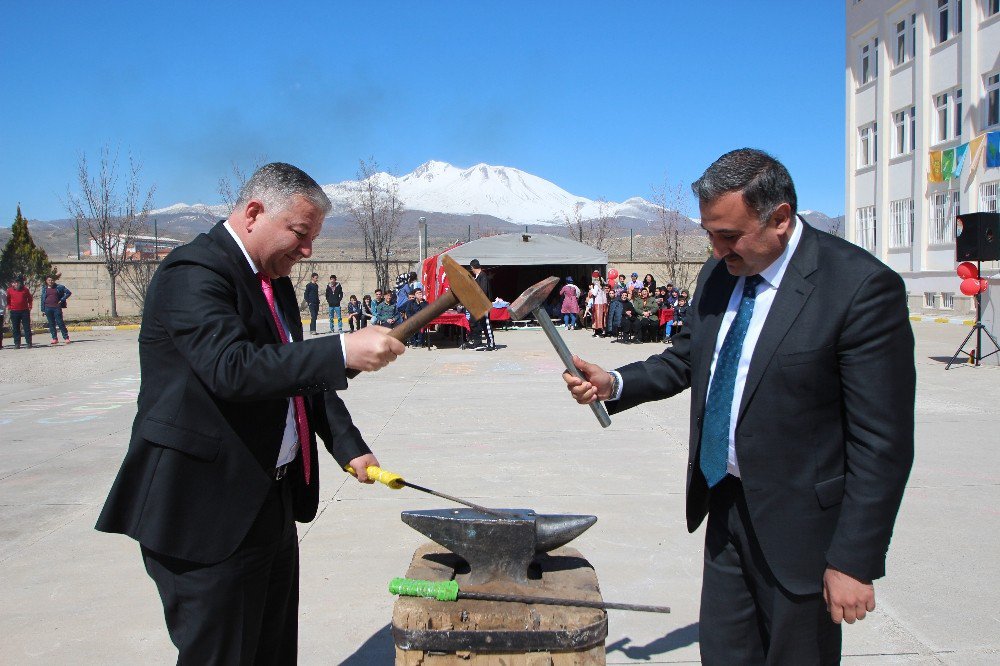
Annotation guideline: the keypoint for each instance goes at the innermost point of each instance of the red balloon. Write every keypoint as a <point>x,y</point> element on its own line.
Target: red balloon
<point>984,284</point>
<point>970,286</point>
<point>612,274</point>
<point>966,270</point>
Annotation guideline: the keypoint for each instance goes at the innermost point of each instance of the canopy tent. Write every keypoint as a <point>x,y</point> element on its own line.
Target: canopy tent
<point>517,261</point>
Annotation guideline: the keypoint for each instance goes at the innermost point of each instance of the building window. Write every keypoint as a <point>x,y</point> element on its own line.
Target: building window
<point>902,54</point>
<point>867,145</point>
<point>913,35</point>
<point>869,61</point>
<point>901,223</point>
<point>988,196</point>
<point>942,23</point>
<point>904,128</point>
<point>864,219</point>
<point>945,208</point>
<point>957,120</point>
<point>930,299</point>
<point>948,115</point>
<point>991,7</point>
<point>948,300</point>
<point>958,17</point>
<point>993,99</point>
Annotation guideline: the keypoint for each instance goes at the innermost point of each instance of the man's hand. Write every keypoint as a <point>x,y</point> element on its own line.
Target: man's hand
<point>596,384</point>
<point>372,349</point>
<point>360,466</point>
<point>847,598</point>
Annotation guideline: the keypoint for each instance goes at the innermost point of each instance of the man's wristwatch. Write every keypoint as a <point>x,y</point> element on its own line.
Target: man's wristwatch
<point>616,384</point>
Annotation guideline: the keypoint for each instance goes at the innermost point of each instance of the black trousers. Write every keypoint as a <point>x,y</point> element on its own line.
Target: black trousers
<point>20,322</point>
<point>313,314</point>
<point>746,616</point>
<point>243,610</point>
<point>483,327</point>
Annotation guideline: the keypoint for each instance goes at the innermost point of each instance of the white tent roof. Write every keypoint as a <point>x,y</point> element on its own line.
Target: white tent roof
<point>539,249</point>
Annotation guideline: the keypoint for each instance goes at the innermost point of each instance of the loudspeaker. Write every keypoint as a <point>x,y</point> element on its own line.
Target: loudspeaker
<point>977,237</point>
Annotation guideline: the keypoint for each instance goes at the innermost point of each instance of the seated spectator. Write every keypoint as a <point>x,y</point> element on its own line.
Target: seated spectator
<point>630,320</point>
<point>367,311</point>
<point>615,312</point>
<point>634,285</point>
<point>354,314</point>
<point>647,313</point>
<point>414,303</point>
<point>680,316</point>
<point>386,313</point>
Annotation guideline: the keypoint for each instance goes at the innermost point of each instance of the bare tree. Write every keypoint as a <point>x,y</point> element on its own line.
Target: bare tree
<point>668,239</point>
<point>113,209</point>
<point>230,185</point>
<point>593,231</point>
<point>135,278</point>
<point>377,210</point>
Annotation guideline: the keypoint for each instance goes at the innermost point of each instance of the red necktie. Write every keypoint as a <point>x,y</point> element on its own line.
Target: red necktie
<point>300,404</point>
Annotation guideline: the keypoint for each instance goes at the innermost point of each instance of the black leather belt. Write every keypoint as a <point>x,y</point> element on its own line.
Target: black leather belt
<point>279,472</point>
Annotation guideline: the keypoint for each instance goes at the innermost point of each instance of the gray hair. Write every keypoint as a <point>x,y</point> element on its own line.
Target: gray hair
<point>276,183</point>
<point>764,182</point>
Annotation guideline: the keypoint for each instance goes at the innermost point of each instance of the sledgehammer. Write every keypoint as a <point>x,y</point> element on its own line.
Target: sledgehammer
<point>533,301</point>
<point>463,289</point>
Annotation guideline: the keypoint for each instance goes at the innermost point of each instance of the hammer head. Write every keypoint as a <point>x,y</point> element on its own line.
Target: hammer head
<point>465,288</point>
<point>532,298</point>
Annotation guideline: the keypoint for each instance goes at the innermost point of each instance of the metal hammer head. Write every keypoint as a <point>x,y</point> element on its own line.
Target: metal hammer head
<point>465,288</point>
<point>497,547</point>
<point>532,298</point>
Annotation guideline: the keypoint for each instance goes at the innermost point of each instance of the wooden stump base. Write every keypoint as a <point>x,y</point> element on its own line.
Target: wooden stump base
<point>428,632</point>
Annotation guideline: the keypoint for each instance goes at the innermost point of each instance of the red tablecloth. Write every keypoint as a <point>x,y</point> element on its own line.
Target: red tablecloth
<point>499,314</point>
<point>451,317</point>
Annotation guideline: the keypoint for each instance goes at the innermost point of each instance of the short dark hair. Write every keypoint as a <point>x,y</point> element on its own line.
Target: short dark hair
<point>333,277</point>
<point>314,275</point>
<point>474,264</point>
<point>763,181</point>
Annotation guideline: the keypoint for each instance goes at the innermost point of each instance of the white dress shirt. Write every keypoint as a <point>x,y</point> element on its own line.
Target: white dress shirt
<point>290,438</point>
<point>766,291</point>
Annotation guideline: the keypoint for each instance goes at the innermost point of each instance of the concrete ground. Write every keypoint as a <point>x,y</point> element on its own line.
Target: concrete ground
<point>500,429</point>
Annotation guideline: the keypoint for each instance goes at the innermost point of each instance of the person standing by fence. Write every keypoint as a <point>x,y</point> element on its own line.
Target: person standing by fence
<point>312,300</point>
<point>53,302</point>
<point>19,302</point>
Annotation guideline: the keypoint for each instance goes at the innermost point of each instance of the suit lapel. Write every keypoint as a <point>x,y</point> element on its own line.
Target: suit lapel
<point>245,276</point>
<point>792,295</point>
<point>711,309</point>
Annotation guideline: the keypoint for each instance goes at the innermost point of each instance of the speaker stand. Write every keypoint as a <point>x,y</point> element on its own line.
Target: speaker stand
<point>978,329</point>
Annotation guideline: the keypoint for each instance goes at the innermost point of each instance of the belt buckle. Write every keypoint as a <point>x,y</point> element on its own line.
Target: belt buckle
<point>279,472</point>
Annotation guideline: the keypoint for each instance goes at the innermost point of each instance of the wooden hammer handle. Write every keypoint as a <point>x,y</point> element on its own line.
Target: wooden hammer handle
<point>409,326</point>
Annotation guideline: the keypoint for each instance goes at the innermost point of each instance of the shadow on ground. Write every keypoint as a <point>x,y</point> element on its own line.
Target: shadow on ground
<point>378,649</point>
<point>676,639</point>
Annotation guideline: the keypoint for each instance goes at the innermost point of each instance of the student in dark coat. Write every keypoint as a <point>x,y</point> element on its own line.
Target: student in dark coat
<point>311,298</point>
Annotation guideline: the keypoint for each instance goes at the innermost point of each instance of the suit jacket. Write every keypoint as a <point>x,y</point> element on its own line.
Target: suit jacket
<point>824,435</point>
<point>213,404</point>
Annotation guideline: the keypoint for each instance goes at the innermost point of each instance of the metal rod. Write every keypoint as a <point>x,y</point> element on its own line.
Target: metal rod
<point>567,358</point>
<point>552,601</point>
<point>457,500</point>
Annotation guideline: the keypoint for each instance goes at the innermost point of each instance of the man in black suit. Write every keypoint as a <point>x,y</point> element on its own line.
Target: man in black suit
<point>222,460</point>
<point>799,355</point>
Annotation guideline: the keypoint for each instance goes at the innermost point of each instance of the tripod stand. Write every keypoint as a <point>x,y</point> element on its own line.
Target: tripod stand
<point>978,329</point>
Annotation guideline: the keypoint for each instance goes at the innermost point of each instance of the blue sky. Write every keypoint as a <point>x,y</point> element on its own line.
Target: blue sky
<point>605,99</point>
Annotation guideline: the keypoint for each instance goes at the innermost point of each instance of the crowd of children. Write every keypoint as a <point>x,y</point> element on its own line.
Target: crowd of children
<point>629,310</point>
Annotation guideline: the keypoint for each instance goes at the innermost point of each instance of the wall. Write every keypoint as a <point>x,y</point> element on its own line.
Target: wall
<point>91,287</point>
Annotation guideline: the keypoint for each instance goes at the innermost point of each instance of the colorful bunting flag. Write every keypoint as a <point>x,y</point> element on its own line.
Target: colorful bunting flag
<point>992,150</point>
<point>947,163</point>
<point>976,153</point>
<point>935,174</point>
<point>960,153</point>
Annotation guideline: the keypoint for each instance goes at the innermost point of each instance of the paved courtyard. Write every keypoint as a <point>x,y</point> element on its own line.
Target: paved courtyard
<point>500,429</point>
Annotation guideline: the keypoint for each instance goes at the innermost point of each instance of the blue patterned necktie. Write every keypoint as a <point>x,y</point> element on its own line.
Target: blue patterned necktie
<point>719,407</point>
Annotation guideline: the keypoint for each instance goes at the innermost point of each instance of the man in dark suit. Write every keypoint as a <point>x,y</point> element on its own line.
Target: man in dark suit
<point>799,355</point>
<point>222,460</point>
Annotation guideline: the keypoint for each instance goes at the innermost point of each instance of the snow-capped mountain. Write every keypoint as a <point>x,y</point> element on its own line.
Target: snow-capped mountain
<point>502,192</point>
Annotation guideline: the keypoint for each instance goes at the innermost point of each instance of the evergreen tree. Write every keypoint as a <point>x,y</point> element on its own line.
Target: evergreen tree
<point>22,257</point>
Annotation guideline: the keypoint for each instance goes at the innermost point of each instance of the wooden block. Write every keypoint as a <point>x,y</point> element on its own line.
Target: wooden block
<point>563,573</point>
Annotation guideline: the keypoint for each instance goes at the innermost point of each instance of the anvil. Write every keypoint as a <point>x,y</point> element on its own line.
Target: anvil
<point>501,544</point>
